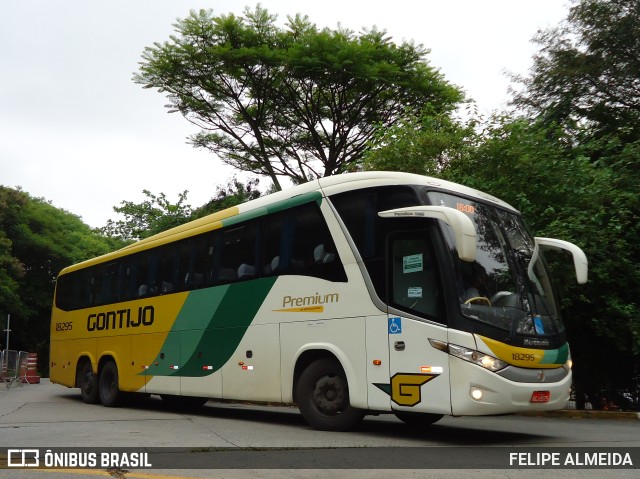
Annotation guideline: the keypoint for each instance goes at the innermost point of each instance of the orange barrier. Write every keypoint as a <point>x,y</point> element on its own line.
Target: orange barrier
<point>31,376</point>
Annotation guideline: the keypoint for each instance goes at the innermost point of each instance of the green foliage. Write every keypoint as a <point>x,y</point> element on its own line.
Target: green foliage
<point>37,240</point>
<point>153,215</point>
<point>157,213</point>
<point>423,144</point>
<point>297,101</point>
<point>234,193</point>
<point>586,73</point>
<point>11,272</point>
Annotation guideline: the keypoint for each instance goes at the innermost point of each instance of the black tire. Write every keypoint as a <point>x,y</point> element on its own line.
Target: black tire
<point>418,420</point>
<point>322,394</point>
<point>110,394</point>
<point>88,383</point>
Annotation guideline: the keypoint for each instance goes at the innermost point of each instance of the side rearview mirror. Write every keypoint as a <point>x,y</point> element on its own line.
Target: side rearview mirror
<point>463,229</point>
<point>580,262</point>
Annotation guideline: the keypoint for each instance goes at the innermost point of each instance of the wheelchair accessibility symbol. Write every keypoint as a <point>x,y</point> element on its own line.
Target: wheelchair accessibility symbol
<point>395,326</point>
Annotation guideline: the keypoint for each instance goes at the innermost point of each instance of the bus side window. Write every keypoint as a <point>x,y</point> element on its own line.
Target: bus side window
<point>229,256</point>
<point>82,297</point>
<point>135,276</point>
<point>297,241</point>
<point>167,269</point>
<point>73,290</point>
<point>192,262</point>
<point>147,274</point>
<point>313,252</point>
<point>274,247</point>
<point>130,277</point>
<point>104,282</point>
<point>212,257</point>
<point>238,258</point>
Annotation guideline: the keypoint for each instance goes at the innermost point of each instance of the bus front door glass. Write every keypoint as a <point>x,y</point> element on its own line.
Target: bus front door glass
<point>419,375</point>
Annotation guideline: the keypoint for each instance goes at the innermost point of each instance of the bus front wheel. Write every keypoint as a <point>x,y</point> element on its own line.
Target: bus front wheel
<point>322,394</point>
<point>110,394</point>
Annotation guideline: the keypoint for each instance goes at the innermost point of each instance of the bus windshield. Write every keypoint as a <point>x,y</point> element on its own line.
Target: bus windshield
<point>508,285</point>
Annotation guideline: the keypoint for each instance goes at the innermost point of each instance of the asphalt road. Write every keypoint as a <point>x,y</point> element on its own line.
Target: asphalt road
<point>240,440</point>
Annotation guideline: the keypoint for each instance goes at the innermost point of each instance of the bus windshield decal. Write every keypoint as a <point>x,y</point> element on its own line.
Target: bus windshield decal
<point>466,208</point>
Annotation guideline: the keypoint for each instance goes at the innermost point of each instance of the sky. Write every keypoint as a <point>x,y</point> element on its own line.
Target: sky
<point>76,130</point>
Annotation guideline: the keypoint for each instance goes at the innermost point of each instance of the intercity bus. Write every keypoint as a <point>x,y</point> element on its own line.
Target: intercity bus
<point>363,293</point>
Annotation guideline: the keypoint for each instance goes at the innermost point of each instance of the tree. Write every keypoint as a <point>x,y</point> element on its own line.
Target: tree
<point>11,272</point>
<point>234,193</point>
<point>424,143</point>
<point>299,101</point>
<point>153,215</point>
<point>157,213</point>
<point>588,70</point>
<point>37,240</point>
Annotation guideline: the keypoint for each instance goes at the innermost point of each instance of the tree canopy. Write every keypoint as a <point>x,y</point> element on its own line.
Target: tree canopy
<point>586,71</point>
<point>294,101</point>
<point>37,240</point>
<point>156,213</point>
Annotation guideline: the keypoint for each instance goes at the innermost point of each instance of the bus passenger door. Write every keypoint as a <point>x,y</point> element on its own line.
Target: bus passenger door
<point>419,373</point>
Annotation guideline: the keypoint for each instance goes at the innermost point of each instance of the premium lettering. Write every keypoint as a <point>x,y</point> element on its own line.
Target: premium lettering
<point>290,301</point>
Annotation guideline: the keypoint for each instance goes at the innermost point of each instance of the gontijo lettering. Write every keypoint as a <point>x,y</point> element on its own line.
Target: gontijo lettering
<point>121,318</point>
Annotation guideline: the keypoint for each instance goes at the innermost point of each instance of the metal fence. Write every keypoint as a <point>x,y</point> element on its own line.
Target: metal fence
<point>13,367</point>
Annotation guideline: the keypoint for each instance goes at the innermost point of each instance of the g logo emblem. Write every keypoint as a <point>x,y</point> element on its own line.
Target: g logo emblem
<point>405,388</point>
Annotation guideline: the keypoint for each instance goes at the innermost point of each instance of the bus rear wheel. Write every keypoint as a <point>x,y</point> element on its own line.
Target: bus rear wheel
<point>322,394</point>
<point>110,394</point>
<point>88,383</point>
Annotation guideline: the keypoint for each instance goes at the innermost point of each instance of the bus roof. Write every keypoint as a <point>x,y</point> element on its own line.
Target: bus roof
<point>317,189</point>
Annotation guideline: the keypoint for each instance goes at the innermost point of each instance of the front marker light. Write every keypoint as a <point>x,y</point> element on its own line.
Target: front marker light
<point>476,393</point>
<point>471,356</point>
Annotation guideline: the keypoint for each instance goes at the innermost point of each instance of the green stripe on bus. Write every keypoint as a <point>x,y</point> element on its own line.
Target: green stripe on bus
<point>274,208</point>
<point>211,325</point>
<point>556,356</point>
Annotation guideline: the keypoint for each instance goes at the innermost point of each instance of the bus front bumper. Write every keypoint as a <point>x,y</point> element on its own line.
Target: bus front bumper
<point>479,392</point>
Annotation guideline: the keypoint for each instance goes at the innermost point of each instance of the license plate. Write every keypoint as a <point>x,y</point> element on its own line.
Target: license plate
<point>540,396</point>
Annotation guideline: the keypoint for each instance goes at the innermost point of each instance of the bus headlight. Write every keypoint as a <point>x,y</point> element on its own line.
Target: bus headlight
<point>476,357</point>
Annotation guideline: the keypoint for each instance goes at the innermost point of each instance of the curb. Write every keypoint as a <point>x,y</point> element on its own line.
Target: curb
<point>587,414</point>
